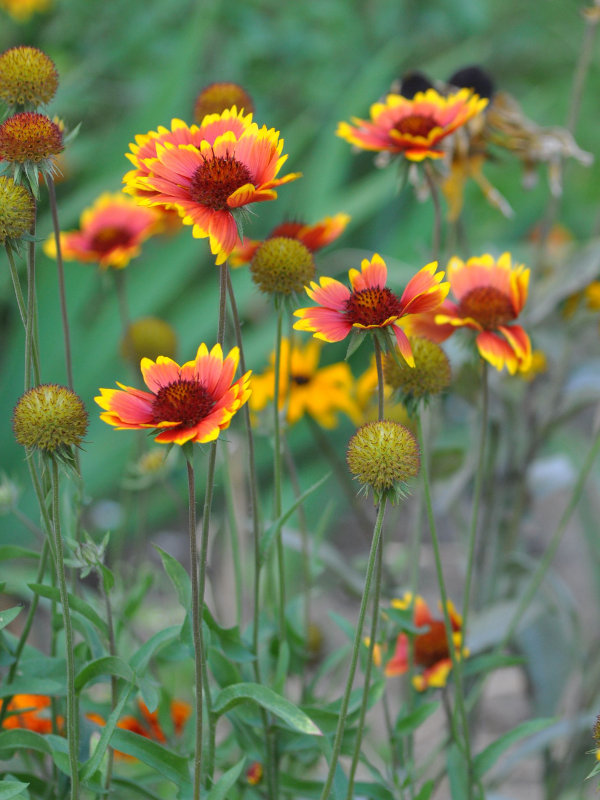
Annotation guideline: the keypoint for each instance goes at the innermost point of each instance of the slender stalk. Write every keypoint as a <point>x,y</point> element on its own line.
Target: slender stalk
<point>22,308</point>
<point>337,744</point>
<point>368,670</point>
<point>256,530</point>
<point>112,649</point>
<point>196,630</point>
<point>121,288</point>
<point>25,632</point>
<point>456,661</point>
<point>380,382</point>
<point>437,212</point>
<point>476,495</point>
<point>61,280</point>
<point>277,504</point>
<point>72,737</point>
<point>31,309</point>
<point>234,538</point>
<point>586,53</point>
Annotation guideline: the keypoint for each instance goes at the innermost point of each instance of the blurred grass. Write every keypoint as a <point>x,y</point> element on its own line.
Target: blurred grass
<point>127,68</point>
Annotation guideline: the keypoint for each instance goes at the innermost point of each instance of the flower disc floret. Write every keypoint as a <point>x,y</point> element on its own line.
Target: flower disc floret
<point>50,418</point>
<point>191,403</point>
<point>17,210</point>
<point>430,375</point>
<point>369,304</point>
<point>28,77</point>
<point>29,136</point>
<point>413,126</point>
<point>383,455</point>
<point>207,180</point>
<point>491,293</point>
<point>217,97</point>
<point>282,266</point>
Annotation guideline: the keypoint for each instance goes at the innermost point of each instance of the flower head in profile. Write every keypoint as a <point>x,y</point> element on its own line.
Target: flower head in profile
<point>208,180</point>
<point>110,234</point>
<point>369,304</point>
<point>191,403</point>
<point>30,711</point>
<point>431,652</point>
<point>17,211</point>
<point>314,237</point>
<point>306,389</point>
<point>491,294</point>
<point>413,127</point>
<point>216,97</point>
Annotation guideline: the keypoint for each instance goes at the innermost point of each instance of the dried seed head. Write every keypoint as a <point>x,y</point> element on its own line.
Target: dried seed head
<point>430,376</point>
<point>28,78</point>
<point>282,266</point>
<point>50,418</point>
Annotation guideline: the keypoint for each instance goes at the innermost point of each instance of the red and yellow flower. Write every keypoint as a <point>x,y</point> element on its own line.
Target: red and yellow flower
<point>431,652</point>
<point>110,233</point>
<point>413,126</point>
<point>491,294</point>
<point>314,237</point>
<point>191,403</point>
<point>32,712</point>
<point>207,180</point>
<point>306,389</point>
<point>370,304</point>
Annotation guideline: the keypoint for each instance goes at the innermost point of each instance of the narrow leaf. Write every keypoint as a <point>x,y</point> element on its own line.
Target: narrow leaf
<point>487,758</point>
<point>92,764</point>
<point>19,738</point>
<point>226,781</point>
<point>14,551</point>
<point>178,577</point>
<point>411,722</point>
<point>7,616</point>
<point>75,603</point>
<point>10,789</point>
<point>268,699</point>
<point>108,665</point>
<point>164,761</point>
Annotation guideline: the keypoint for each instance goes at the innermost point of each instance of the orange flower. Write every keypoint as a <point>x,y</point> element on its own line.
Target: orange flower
<point>207,181</point>
<point>430,649</point>
<point>191,403</point>
<point>370,305</point>
<point>491,294</point>
<point>413,126</point>
<point>111,232</point>
<point>30,711</point>
<point>313,237</point>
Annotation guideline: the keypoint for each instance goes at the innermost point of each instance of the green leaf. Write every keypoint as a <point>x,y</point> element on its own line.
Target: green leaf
<point>457,773</point>
<point>488,662</point>
<point>411,722</point>
<point>226,781</point>
<point>242,692</point>
<point>222,668</point>
<point>356,339</point>
<point>7,616</point>
<point>164,761</point>
<point>178,577</point>
<point>229,639</point>
<point>426,791</point>
<point>75,603</point>
<point>487,758</point>
<point>93,762</point>
<point>140,660</point>
<point>14,551</point>
<point>18,739</point>
<point>281,670</point>
<point>10,789</point>
<point>33,686</point>
<point>266,540</point>
<point>132,786</point>
<point>403,617</point>
<point>108,665</point>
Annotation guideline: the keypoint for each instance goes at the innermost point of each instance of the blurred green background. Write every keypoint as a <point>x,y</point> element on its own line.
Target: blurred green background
<point>126,68</point>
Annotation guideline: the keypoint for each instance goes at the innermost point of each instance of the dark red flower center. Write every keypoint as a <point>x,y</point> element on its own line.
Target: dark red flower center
<point>372,307</point>
<point>431,647</point>
<point>300,380</point>
<point>187,402</point>
<point>488,306</point>
<point>416,125</point>
<point>216,179</point>
<point>107,239</point>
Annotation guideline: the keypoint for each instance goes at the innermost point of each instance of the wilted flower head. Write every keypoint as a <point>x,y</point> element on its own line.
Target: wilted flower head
<point>282,266</point>
<point>28,78</point>
<point>383,456</point>
<point>216,97</point>
<point>50,418</point>
<point>17,210</point>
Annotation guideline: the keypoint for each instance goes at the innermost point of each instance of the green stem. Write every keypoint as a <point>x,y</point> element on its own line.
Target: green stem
<point>380,381</point>
<point>337,744</point>
<point>23,309</point>
<point>437,213</point>
<point>456,661</point>
<point>196,630</point>
<point>277,504</point>
<point>61,280</point>
<point>25,632</point>
<point>31,311</point>
<point>368,670</point>
<point>234,538</point>
<point>256,530</point>
<point>472,541</point>
<point>64,600</point>
<point>112,649</point>
<point>586,53</point>
<point>121,288</point>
